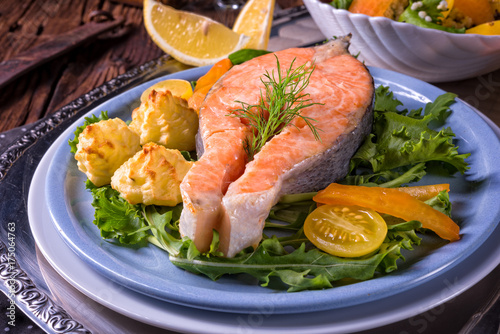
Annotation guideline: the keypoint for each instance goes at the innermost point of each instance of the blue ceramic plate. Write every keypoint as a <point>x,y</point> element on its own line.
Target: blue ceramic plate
<point>148,271</point>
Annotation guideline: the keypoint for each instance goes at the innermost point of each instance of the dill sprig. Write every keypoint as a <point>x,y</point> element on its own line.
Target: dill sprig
<point>281,100</point>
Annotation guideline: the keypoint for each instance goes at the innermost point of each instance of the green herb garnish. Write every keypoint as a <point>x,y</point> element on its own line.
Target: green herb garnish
<point>281,101</point>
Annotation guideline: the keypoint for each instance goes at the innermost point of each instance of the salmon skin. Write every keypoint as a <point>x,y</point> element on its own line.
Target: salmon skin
<point>225,192</point>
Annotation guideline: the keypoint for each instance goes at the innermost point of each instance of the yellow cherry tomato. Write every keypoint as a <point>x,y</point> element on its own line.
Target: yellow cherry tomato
<point>344,230</point>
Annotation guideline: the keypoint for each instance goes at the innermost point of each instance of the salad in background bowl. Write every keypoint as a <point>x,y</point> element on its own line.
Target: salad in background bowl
<point>421,51</point>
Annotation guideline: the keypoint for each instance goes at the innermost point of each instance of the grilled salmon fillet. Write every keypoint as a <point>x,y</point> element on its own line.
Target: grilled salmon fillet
<point>225,192</point>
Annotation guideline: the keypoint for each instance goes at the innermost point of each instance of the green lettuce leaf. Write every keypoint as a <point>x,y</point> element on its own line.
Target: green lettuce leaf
<point>164,227</point>
<point>304,269</point>
<point>115,217</point>
<point>402,139</point>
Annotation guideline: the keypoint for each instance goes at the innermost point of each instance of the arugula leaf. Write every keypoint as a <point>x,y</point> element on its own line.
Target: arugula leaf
<point>115,217</point>
<point>304,269</point>
<point>160,223</point>
<point>299,270</point>
<point>388,178</point>
<point>88,120</point>
<point>189,156</point>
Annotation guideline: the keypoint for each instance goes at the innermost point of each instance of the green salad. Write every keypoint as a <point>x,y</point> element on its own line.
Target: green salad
<point>454,16</point>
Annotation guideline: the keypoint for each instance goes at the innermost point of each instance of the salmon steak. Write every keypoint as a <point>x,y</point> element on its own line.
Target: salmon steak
<point>226,192</point>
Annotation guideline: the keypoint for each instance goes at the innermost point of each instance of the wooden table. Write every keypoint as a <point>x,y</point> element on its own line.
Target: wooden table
<point>41,92</point>
<point>44,90</point>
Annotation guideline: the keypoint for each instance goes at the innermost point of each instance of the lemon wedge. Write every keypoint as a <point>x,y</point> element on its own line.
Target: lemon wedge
<point>190,38</point>
<point>178,87</point>
<point>255,20</point>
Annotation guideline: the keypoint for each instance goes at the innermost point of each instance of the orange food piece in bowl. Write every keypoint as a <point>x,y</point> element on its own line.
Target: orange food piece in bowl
<point>480,11</point>
<point>388,8</point>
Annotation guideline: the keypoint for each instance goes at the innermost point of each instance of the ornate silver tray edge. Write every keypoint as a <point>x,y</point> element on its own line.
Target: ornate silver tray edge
<point>19,274</point>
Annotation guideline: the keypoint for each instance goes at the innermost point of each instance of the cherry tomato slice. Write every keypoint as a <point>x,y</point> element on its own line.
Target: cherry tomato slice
<point>345,231</point>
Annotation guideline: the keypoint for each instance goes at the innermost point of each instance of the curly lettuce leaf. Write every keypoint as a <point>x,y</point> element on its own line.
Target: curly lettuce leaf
<point>385,100</point>
<point>299,270</point>
<point>88,120</point>
<point>404,139</point>
<point>115,217</point>
<point>397,151</point>
<point>441,202</point>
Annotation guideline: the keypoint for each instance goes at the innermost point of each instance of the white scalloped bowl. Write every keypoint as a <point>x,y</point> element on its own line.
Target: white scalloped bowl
<point>426,54</point>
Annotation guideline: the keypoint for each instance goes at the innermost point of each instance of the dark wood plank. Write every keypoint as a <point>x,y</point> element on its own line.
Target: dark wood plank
<point>24,24</point>
<point>60,81</point>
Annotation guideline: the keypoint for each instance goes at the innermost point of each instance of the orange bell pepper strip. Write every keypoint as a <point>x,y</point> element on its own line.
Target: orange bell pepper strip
<point>206,82</point>
<point>393,202</point>
<point>423,193</point>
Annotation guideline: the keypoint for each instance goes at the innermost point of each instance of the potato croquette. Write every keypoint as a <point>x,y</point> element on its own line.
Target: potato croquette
<point>103,147</point>
<point>167,120</point>
<point>152,176</point>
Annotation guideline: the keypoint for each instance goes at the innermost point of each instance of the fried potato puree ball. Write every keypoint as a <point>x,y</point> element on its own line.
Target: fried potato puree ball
<point>103,147</point>
<point>152,176</point>
<point>167,120</point>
